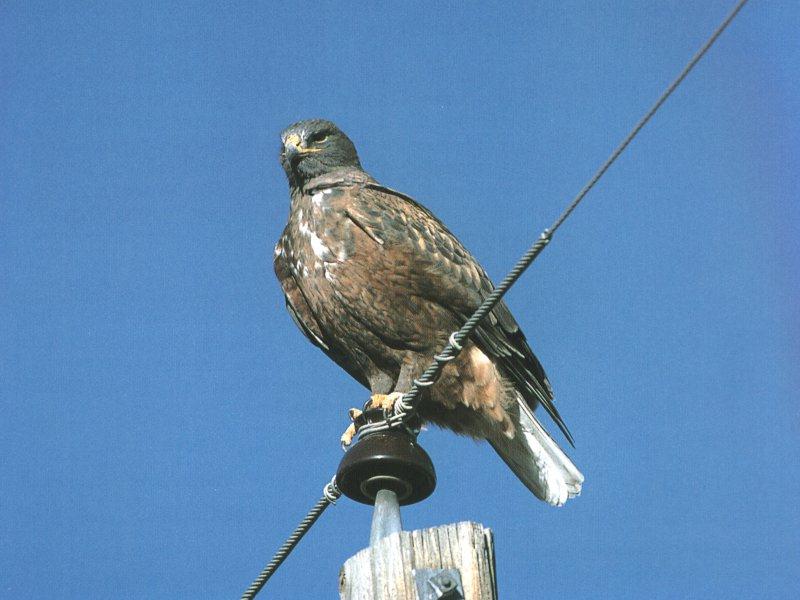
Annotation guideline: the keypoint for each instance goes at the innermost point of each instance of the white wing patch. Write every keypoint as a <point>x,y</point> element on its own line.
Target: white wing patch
<point>321,251</point>
<point>318,198</point>
<point>328,252</point>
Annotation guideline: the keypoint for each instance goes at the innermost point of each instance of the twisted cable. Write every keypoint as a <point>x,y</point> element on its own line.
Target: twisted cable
<point>406,407</point>
<point>330,494</point>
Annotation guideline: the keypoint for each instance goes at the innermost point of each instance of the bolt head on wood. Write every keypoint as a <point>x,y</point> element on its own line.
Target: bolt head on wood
<point>390,460</point>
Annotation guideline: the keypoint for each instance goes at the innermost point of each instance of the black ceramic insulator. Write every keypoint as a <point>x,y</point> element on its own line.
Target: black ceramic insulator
<point>389,460</point>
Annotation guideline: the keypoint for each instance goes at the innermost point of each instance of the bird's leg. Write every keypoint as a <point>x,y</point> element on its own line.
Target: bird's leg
<point>403,384</point>
<point>350,432</point>
<point>379,382</point>
<point>408,372</point>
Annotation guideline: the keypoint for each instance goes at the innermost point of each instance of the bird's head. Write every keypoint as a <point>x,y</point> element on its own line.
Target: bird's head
<point>315,147</point>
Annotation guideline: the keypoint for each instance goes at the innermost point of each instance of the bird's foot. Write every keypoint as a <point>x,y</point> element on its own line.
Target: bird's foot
<point>384,401</point>
<point>350,432</point>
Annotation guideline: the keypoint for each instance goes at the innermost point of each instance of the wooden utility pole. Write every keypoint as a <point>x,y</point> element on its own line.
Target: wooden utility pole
<point>449,562</point>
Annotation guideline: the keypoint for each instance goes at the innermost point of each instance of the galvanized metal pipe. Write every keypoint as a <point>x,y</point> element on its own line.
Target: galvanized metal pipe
<point>386,517</point>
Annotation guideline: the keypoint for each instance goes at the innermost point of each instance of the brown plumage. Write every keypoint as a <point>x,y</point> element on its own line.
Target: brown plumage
<point>379,283</point>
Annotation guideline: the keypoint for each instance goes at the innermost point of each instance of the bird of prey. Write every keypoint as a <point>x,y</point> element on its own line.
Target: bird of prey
<point>376,281</point>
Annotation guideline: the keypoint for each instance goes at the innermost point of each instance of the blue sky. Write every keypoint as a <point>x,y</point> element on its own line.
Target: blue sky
<point>164,424</point>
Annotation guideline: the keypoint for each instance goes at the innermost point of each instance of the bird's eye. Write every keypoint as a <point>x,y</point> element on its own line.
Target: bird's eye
<point>319,138</point>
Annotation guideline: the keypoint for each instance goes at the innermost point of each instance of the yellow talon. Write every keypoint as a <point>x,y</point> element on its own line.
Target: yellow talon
<point>385,401</point>
<point>350,432</point>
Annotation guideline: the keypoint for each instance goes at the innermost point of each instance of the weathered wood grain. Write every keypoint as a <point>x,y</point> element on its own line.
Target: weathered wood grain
<point>384,571</point>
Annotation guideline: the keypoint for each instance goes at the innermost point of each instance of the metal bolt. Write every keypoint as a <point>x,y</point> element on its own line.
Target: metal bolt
<point>438,584</point>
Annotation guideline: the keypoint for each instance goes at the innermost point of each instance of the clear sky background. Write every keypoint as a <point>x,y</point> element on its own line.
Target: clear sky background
<point>164,425</point>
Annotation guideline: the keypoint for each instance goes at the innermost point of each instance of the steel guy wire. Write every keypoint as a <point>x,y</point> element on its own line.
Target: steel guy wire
<point>330,494</point>
<point>406,407</point>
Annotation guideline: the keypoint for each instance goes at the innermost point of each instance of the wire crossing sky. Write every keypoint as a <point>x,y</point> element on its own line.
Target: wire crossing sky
<point>406,408</point>
<point>165,424</point>
<point>411,399</point>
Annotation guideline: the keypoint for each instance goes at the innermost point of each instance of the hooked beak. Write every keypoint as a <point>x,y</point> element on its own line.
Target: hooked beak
<point>293,147</point>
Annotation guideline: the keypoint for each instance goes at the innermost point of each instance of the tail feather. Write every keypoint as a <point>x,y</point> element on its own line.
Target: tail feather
<point>537,460</point>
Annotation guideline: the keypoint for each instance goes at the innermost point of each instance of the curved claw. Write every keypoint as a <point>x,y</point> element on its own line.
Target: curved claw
<point>350,432</point>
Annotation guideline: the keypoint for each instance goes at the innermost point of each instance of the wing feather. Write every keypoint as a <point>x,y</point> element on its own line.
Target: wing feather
<point>452,278</point>
<point>296,303</point>
<point>304,318</point>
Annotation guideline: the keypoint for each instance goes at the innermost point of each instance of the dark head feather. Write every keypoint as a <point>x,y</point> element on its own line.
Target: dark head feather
<point>315,147</point>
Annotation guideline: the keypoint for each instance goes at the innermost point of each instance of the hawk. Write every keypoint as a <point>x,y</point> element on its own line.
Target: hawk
<point>377,282</point>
